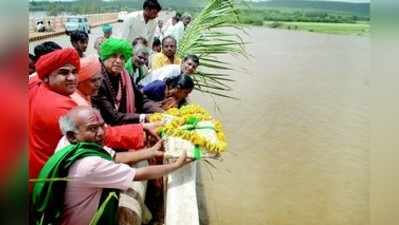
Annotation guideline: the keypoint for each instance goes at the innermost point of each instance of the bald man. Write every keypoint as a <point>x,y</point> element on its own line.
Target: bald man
<point>93,172</point>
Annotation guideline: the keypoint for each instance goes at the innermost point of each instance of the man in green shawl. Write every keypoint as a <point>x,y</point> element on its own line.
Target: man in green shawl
<point>80,183</point>
<point>136,65</point>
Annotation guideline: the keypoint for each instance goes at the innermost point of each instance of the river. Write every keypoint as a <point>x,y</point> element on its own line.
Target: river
<point>298,137</point>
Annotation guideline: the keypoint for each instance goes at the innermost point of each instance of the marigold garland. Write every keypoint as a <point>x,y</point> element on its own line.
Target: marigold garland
<point>190,115</point>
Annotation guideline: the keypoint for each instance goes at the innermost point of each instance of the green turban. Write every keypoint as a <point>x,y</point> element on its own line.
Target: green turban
<point>114,46</point>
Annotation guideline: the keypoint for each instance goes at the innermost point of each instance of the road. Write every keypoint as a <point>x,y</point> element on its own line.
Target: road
<point>64,41</point>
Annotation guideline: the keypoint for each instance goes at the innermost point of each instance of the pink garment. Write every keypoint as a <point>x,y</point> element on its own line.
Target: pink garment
<point>130,98</point>
<point>89,176</point>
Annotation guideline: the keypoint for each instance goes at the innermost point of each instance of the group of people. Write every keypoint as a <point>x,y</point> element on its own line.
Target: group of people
<point>40,27</point>
<point>175,27</point>
<point>89,116</point>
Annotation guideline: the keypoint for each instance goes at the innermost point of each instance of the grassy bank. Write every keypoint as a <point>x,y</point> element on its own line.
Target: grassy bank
<point>321,21</point>
<point>360,28</point>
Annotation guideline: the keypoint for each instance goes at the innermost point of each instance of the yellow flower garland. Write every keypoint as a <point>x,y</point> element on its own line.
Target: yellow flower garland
<point>183,116</point>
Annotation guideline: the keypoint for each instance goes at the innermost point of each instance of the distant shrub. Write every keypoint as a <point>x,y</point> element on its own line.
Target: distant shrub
<point>305,16</point>
<point>251,18</point>
<point>276,24</point>
<point>258,23</point>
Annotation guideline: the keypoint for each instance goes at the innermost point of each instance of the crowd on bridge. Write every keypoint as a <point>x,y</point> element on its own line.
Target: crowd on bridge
<point>89,117</point>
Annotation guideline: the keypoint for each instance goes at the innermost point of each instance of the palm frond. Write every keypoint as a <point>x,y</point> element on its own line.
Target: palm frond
<point>220,94</point>
<point>214,32</point>
<point>101,209</point>
<point>216,66</point>
<point>218,81</point>
<point>49,179</point>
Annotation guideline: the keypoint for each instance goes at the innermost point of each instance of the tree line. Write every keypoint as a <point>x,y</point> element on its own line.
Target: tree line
<point>253,13</point>
<point>256,17</point>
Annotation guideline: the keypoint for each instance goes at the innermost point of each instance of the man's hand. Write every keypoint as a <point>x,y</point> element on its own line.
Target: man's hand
<point>182,160</point>
<point>150,133</point>
<point>169,103</point>
<point>156,150</point>
<point>152,126</point>
<point>155,107</point>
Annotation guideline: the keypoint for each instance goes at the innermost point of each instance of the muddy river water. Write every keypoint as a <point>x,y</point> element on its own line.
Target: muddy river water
<point>298,135</point>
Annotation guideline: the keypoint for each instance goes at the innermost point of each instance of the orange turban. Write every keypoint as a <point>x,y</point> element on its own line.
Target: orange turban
<point>56,59</point>
<point>89,66</point>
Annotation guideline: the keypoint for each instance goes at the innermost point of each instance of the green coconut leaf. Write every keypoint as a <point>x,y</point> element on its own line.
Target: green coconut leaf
<point>214,32</point>
<point>101,209</point>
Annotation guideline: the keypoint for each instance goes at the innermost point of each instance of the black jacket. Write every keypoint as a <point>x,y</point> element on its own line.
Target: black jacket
<point>105,101</point>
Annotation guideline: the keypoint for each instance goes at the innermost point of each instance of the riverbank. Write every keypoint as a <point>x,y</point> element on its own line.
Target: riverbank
<point>359,28</point>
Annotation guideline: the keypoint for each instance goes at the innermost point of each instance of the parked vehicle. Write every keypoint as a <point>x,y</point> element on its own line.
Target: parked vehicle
<point>121,16</point>
<point>73,23</point>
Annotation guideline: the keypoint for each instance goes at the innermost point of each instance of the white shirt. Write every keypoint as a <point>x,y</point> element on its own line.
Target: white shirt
<point>176,31</point>
<point>170,30</point>
<point>158,33</point>
<point>179,31</point>
<point>167,71</point>
<point>134,26</point>
<point>166,25</point>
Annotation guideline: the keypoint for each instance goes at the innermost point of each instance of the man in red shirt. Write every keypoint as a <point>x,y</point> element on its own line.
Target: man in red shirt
<point>48,100</point>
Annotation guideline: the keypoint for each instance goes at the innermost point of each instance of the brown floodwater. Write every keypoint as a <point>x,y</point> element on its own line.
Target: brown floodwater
<point>298,135</point>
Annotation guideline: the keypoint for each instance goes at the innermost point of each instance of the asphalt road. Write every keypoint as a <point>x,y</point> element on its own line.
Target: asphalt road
<point>96,32</point>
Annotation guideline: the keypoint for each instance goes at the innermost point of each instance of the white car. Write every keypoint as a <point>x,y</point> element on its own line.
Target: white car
<point>73,23</point>
<point>121,16</point>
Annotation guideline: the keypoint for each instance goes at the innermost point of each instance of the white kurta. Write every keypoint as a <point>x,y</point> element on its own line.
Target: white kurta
<point>176,31</point>
<point>162,73</point>
<point>134,26</point>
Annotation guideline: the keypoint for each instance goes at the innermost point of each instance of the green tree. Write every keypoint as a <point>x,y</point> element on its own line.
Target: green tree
<point>53,10</point>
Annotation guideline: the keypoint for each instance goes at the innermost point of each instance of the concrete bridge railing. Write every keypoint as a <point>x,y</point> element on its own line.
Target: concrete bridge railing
<point>57,22</point>
<point>56,25</point>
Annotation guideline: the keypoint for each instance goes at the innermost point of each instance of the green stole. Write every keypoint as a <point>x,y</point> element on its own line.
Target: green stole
<point>131,68</point>
<point>48,196</point>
